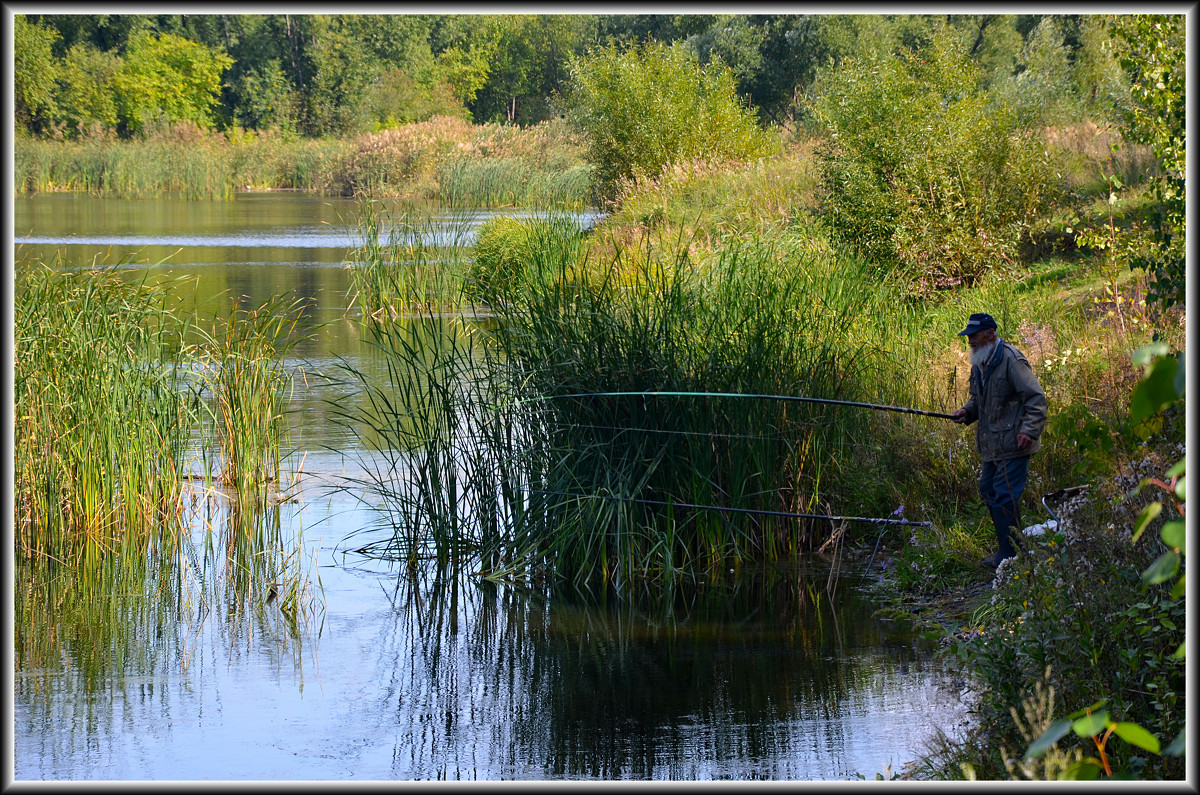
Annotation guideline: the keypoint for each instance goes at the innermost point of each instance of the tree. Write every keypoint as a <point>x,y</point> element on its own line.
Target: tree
<point>87,90</point>
<point>341,66</point>
<point>1096,69</point>
<point>264,98</point>
<point>34,71</point>
<point>1043,86</point>
<point>645,107</point>
<point>510,67</point>
<point>168,78</point>
<point>924,171</point>
<point>1155,61</point>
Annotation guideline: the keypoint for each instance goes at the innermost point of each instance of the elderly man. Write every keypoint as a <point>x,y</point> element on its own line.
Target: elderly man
<point>1010,406</point>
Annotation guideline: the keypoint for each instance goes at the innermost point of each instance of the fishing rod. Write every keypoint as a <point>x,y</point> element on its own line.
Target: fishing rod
<point>757,511</point>
<point>794,398</point>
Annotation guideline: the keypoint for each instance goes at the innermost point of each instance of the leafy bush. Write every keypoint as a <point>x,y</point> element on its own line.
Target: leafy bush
<point>507,249</point>
<point>926,172</point>
<point>650,106</point>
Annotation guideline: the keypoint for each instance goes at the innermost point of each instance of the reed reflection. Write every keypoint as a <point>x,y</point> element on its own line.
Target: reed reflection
<point>765,678</point>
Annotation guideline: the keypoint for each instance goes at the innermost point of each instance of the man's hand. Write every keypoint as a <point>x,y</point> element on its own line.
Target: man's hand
<point>1024,441</point>
<point>959,416</point>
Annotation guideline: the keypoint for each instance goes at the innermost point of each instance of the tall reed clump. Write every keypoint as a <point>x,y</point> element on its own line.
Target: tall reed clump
<point>428,437</point>
<point>503,440</point>
<point>102,412</point>
<point>513,182</point>
<point>465,164</point>
<point>406,263</point>
<point>249,382</point>
<point>614,477</point>
<point>182,159</point>
<point>102,423</point>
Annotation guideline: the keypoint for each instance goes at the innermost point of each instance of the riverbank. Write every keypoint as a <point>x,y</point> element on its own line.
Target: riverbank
<point>1077,318</point>
<point>1046,626</point>
<point>445,159</point>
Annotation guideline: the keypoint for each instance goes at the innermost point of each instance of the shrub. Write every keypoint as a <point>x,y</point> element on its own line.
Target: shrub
<point>507,249</point>
<point>647,107</point>
<point>925,172</point>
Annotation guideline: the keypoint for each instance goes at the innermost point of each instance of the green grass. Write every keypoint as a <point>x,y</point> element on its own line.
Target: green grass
<point>103,414</point>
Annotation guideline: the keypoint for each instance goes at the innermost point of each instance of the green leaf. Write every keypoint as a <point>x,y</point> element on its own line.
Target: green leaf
<point>1179,653</point>
<point>1148,515</point>
<point>1091,725</point>
<point>1180,379</point>
<point>1056,732</point>
<point>1082,770</point>
<point>1180,587</point>
<point>1134,734</point>
<point>1162,569</point>
<point>1148,353</point>
<point>1179,468</point>
<point>1181,488</point>
<point>1155,391</point>
<point>1173,535</point>
<point>1177,745</point>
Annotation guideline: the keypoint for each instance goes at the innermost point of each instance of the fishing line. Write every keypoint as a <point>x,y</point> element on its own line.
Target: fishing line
<point>758,511</point>
<point>758,437</point>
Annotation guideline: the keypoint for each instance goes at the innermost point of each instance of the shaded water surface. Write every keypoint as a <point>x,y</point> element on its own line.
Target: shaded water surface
<point>391,675</point>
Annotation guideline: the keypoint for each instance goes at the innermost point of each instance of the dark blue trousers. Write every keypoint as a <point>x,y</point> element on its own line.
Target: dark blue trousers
<point>1001,484</point>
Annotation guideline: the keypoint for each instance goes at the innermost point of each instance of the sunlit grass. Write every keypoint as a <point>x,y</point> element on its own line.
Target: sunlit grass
<point>110,400</point>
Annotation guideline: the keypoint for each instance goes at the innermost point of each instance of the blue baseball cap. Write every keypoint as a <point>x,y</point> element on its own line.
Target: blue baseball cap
<point>978,322</point>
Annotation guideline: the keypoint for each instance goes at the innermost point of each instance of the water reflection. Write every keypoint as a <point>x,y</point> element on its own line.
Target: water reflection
<point>769,680</point>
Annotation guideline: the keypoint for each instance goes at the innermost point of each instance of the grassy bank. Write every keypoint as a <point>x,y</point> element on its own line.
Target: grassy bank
<point>444,158</point>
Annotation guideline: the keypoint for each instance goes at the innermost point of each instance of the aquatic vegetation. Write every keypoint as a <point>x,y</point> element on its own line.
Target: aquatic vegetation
<point>103,413</point>
<point>445,158</point>
<point>507,442</point>
<point>109,392</point>
<point>249,383</point>
<point>405,263</point>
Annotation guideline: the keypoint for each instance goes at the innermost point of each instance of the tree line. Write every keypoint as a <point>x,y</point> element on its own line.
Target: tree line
<point>341,74</point>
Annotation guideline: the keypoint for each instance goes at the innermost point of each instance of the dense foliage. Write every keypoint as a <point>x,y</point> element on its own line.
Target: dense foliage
<point>926,171</point>
<point>1156,59</point>
<point>646,108</point>
<point>318,74</point>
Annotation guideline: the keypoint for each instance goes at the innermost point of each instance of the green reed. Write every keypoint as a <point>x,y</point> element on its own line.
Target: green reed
<point>102,412</point>
<point>494,442</point>
<point>746,322</point>
<point>102,421</point>
<point>509,182</point>
<point>423,426</point>
<point>109,397</point>
<point>405,264</point>
<point>250,387</point>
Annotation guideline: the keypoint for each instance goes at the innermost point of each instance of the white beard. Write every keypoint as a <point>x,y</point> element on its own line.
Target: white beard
<point>980,356</point>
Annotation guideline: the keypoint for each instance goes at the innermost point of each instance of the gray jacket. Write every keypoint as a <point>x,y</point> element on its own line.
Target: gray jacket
<point>1007,399</point>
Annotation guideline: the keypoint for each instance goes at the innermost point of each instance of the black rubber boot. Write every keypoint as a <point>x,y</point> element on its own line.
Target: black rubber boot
<point>1007,520</point>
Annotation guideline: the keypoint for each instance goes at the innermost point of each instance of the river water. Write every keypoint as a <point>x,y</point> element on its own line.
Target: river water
<point>787,675</point>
